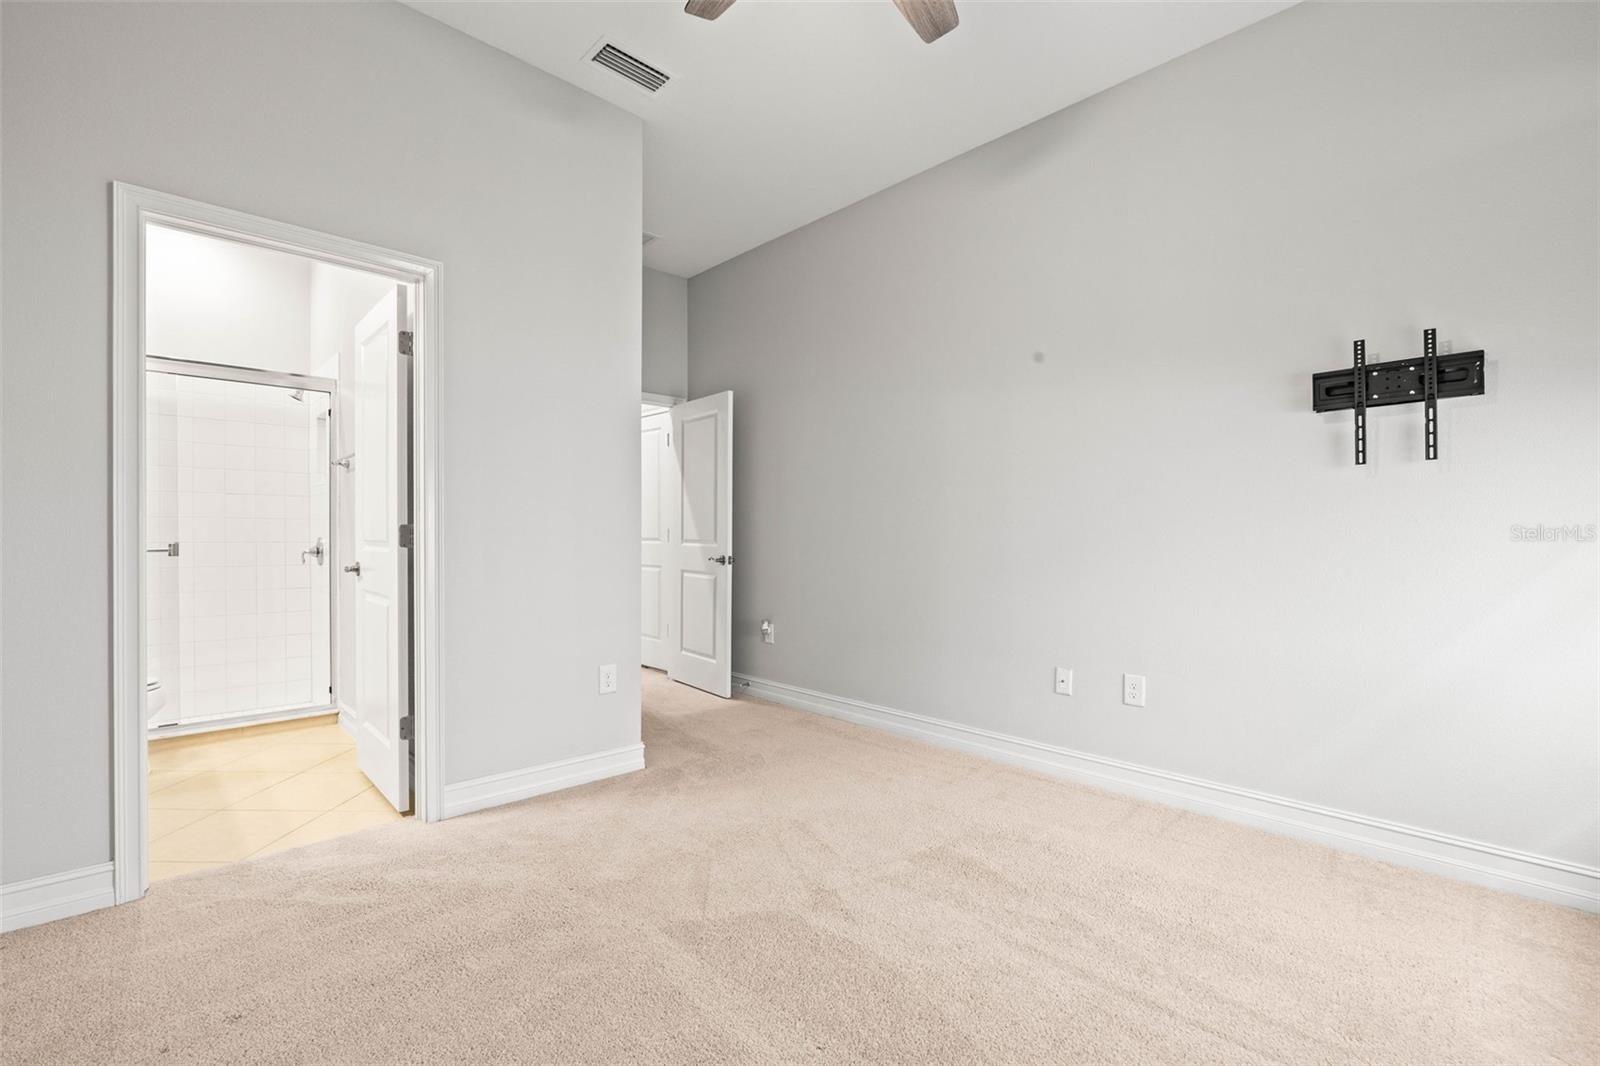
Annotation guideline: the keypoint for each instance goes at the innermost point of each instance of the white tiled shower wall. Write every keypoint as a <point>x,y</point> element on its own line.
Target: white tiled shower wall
<point>230,478</point>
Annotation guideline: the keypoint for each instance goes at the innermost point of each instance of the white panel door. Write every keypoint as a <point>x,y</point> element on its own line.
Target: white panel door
<point>701,641</point>
<point>658,480</point>
<point>380,475</point>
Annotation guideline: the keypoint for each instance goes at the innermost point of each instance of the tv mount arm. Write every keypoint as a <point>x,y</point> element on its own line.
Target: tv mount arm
<point>1427,380</point>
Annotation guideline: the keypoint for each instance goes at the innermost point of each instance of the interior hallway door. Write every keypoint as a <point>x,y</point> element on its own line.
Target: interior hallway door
<point>701,638</point>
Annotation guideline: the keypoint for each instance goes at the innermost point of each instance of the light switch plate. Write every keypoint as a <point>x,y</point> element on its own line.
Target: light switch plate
<point>608,679</point>
<point>1063,681</point>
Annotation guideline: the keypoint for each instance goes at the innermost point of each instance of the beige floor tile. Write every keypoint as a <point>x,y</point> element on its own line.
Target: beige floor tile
<point>213,790</point>
<point>164,821</point>
<point>160,779</point>
<point>227,836</point>
<point>305,792</point>
<point>288,755</point>
<point>296,725</point>
<point>323,732</point>
<point>160,871</point>
<point>327,826</point>
<point>343,763</point>
<point>212,755</point>
<point>191,759</point>
<point>370,800</point>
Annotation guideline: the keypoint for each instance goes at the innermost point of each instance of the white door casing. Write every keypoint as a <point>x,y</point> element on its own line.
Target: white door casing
<point>658,476</point>
<point>133,208</point>
<point>380,478</point>
<point>701,641</point>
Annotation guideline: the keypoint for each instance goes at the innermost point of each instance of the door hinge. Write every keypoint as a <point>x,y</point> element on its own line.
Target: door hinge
<point>405,342</point>
<point>405,728</point>
<point>405,535</point>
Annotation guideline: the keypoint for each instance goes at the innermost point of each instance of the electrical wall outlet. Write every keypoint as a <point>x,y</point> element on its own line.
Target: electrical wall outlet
<point>1133,690</point>
<point>608,679</point>
<point>769,632</point>
<point>1063,681</point>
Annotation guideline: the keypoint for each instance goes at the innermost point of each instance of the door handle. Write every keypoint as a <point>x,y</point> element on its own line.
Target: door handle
<point>725,560</point>
<point>353,568</point>
<point>170,549</point>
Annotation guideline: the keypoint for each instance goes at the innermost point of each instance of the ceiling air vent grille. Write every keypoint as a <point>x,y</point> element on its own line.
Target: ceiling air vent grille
<point>636,70</point>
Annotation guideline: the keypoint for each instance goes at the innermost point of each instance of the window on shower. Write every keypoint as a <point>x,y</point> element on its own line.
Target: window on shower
<point>238,505</point>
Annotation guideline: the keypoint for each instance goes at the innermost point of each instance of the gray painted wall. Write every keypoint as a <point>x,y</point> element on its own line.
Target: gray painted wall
<point>666,334</point>
<point>1049,404</point>
<point>526,188</point>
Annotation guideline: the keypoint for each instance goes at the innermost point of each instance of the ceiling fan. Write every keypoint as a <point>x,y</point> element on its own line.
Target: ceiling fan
<point>932,19</point>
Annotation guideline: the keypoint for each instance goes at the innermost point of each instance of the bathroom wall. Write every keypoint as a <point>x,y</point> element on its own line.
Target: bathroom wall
<point>218,301</point>
<point>231,478</point>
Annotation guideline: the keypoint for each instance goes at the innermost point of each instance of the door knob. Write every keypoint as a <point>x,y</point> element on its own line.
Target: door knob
<point>353,568</point>
<point>725,560</point>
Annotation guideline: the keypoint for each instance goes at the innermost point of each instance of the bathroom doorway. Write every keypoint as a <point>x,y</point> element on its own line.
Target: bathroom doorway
<point>280,591</point>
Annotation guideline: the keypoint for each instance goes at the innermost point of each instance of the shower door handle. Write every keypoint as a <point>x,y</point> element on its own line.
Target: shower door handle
<point>170,549</point>
<point>353,568</point>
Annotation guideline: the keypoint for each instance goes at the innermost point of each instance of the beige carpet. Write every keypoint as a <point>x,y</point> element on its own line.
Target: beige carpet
<point>778,887</point>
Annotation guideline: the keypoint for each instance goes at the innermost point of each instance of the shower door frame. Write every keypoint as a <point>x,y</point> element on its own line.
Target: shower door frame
<point>133,210</point>
<point>274,379</point>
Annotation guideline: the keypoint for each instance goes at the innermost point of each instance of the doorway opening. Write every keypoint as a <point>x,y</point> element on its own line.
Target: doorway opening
<point>686,540</point>
<point>274,563</point>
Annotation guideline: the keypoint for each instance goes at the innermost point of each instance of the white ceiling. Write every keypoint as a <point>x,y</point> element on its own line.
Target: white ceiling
<point>782,111</point>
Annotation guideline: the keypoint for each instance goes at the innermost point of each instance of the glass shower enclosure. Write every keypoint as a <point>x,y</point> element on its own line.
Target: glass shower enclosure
<point>238,527</point>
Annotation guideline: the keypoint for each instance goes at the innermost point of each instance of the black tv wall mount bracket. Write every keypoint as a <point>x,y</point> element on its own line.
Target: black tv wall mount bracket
<point>1427,380</point>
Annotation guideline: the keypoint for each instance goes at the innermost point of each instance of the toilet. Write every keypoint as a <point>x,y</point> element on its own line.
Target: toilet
<point>154,698</point>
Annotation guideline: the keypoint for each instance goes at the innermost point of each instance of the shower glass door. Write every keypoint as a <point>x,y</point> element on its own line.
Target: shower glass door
<point>237,602</point>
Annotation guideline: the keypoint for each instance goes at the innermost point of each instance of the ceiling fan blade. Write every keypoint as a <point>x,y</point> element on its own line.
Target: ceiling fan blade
<point>707,9</point>
<point>932,19</point>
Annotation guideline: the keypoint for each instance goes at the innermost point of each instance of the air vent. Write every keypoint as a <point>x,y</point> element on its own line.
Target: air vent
<point>636,70</point>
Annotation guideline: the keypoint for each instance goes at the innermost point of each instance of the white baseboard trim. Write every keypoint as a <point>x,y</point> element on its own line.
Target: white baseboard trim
<point>496,789</point>
<point>1553,880</point>
<point>347,718</point>
<point>44,899</point>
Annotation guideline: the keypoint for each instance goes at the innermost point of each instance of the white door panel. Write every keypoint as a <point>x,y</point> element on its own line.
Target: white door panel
<point>701,638</point>
<point>380,475</point>
<point>697,441</point>
<point>700,616</point>
<point>657,520</point>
